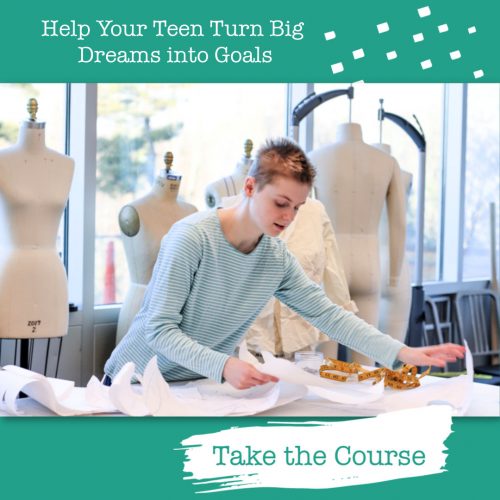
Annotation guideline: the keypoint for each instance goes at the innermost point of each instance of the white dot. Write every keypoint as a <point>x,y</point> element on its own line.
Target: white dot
<point>337,68</point>
<point>455,55</point>
<point>479,73</point>
<point>442,28</point>
<point>426,64</point>
<point>418,37</point>
<point>424,11</point>
<point>358,54</point>
<point>383,27</point>
<point>330,35</point>
<point>392,55</point>
<point>471,30</point>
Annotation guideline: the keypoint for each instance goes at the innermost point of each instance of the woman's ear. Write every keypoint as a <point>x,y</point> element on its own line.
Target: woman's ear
<point>249,187</point>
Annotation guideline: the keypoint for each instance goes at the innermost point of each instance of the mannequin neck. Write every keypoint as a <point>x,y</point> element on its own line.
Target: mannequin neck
<point>166,189</point>
<point>243,167</point>
<point>32,136</point>
<point>349,132</point>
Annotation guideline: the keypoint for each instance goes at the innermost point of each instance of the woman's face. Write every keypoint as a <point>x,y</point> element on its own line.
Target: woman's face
<point>274,207</point>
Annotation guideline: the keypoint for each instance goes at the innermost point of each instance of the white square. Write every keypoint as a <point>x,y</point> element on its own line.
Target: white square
<point>330,35</point>
<point>337,68</point>
<point>479,73</point>
<point>418,37</point>
<point>471,30</point>
<point>383,27</point>
<point>359,82</point>
<point>358,54</point>
<point>426,64</point>
<point>443,28</point>
<point>455,55</point>
<point>424,11</point>
<point>392,55</point>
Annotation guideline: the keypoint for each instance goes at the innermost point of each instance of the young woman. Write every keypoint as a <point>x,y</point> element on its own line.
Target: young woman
<point>216,270</point>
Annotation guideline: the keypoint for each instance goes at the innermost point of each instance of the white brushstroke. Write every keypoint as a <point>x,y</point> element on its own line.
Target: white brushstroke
<point>403,430</point>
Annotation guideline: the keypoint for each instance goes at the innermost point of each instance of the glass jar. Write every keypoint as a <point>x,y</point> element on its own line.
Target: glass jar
<point>309,361</point>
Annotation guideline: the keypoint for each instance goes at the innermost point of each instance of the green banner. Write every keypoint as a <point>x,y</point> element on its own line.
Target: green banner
<point>61,458</point>
<point>261,41</point>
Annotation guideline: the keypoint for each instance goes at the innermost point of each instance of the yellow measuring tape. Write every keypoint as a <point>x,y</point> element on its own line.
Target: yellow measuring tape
<point>404,378</point>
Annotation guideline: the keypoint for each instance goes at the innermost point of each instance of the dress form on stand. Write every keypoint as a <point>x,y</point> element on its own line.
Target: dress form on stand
<point>354,181</point>
<point>232,184</point>
<point>143,224</point>
<point>395,301</point>
<point>34,187</point>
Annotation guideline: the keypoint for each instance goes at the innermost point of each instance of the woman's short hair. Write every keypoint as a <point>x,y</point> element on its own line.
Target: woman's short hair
<point>281,157</point>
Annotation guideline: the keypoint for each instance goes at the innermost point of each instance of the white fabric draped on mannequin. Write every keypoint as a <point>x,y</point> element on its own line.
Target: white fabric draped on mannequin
<point>310,238</point>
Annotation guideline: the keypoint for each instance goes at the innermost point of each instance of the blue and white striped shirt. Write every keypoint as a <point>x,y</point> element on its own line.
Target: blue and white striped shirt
<point>204,294</point>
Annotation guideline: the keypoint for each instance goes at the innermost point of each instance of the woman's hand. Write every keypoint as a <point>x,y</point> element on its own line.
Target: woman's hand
<point>435,355</point>
<point>243,375</point>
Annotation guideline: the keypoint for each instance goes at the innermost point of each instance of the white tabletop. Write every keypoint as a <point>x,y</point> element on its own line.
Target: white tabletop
<point>485,403</point>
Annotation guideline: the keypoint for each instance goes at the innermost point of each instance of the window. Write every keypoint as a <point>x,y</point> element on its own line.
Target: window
<point>482,177</point>
<point>203,125</point>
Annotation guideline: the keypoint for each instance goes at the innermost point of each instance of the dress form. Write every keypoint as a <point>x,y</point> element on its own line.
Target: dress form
<point>143,224</point>
<point>354,181</point>
<point>232,184</point>
<point>34,186</point>
<point>395,301</point>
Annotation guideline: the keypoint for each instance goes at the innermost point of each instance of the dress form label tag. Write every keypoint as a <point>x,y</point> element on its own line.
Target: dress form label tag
<point>33,324</point>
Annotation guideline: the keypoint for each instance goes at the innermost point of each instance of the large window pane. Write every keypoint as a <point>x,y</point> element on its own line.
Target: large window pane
<point>204,125</point>
<point>482,177</point>
<point>423,100</point>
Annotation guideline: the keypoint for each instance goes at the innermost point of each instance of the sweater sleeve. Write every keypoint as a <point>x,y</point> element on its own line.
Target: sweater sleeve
<point>180,254</point>
<point>308,299</point>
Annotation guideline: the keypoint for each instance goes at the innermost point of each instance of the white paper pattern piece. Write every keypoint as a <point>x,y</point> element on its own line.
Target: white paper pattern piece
<point>383,27</point>
<point>443,28</point>
<point>358,54</point>
<point>344,446</point>
<point>471,30</point>
<point>418,37</point>
<point>59,396</point>
<point>455,55</point>
<point>392,55</point>
<point>479,73</point>
<point>206,398</point>
<point>330,35</point>
<point>424,11</point>
<point>426,64</point>
<point>337,68</point>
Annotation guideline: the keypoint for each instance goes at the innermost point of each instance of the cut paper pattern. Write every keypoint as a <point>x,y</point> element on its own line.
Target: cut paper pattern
<point>154,396</point>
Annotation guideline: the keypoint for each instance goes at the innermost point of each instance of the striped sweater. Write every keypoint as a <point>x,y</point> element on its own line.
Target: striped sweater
<point>204,294</point>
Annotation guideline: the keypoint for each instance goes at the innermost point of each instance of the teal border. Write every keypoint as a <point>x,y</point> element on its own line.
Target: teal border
<point>137,458</point>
